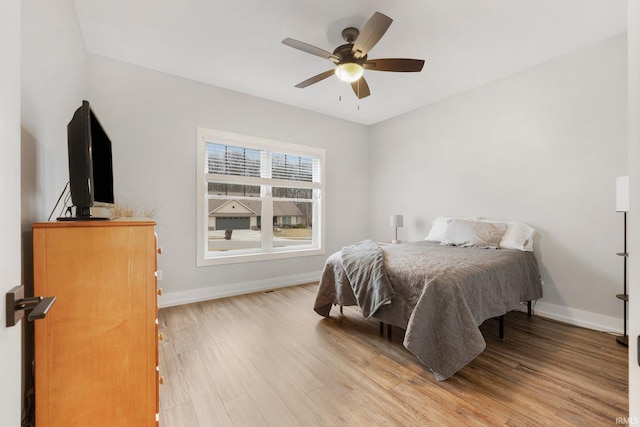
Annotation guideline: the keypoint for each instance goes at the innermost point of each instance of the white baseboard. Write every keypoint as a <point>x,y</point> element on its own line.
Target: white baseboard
<point>577,317</point>
<point>169,299</point>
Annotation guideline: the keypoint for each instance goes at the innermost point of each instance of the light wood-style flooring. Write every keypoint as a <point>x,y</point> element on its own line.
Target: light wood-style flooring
<point>268,359</point>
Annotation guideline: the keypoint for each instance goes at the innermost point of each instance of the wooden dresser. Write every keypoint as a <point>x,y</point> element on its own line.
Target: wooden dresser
<point>96,352</point>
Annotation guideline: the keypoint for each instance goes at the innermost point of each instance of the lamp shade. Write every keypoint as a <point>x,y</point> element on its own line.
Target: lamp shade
<point>395,221</point>
<point>349,72</point>
<point>622,194</point>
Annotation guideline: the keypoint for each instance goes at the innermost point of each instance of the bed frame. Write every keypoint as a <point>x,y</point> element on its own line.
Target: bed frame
<point>500,323</point>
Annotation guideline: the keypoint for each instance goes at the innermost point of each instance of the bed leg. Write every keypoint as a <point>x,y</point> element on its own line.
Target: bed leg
<point>381,328</point>
<point>529,308</point>
<point>501,327</point>
<point>340,308</point>
<point>389,331</point>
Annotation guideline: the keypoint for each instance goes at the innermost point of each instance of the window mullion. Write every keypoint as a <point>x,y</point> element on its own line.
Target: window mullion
<point>267,202</point>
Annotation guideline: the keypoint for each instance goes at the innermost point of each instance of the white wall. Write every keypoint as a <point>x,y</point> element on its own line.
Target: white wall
<point>633,17</point>
<point>542,146</point>
<point>151,118</point>
<point>10,347</point>
<point>52,86</point>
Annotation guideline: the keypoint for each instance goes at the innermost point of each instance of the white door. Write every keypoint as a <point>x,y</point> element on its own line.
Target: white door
<point>10,248</point>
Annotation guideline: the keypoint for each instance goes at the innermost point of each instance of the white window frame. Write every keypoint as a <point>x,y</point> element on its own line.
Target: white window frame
<point>267,251</point>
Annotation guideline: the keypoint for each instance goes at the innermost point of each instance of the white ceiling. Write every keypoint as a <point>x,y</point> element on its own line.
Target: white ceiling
<point>236,44</point>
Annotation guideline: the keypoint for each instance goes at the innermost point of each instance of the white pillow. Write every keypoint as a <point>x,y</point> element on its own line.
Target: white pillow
<point>438,228</point>
<point>517,236</point>
<point>467,233</point>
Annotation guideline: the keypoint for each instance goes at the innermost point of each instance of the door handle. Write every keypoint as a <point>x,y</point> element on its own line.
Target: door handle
<point>17,304</point>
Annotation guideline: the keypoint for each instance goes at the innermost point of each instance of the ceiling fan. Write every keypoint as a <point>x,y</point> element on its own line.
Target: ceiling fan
<point>351,58</point>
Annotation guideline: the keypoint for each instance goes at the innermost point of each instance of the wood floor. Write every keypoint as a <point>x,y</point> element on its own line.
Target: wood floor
<point>269,359</point>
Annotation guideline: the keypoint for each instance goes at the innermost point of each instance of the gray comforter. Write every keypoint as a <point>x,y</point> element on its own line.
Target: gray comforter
<point>363,264</point>
<point>442,295</point>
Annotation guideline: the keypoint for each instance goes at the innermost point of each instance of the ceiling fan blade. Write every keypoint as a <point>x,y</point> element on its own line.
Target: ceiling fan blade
<point>394,64</point>
<point>305,47</point>
<point>361,88</point>
<point>316,79</point>
<point>371,33</point>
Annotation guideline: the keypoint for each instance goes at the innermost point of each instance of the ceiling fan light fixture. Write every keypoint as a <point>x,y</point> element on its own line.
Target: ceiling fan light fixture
<point>349,72</point>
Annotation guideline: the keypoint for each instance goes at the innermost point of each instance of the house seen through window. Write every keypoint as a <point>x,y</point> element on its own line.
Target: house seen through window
<point>257,198</point>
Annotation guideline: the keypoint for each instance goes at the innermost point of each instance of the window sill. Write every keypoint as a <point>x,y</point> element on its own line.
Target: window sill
<point>276,254</point>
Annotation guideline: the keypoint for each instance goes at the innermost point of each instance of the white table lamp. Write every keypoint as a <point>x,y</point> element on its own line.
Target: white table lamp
<point>395,221</point>
<point>622,194</point>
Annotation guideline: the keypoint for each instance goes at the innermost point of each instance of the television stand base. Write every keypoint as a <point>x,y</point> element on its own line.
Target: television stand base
<point>82,218</point>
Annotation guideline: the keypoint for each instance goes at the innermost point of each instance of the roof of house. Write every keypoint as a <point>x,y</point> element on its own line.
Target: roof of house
<point>280,208</point>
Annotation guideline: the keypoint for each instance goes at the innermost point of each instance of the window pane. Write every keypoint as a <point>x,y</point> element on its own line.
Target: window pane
<point>292,223</point>
<point>220,189</point>
<point>230,160</point>
<point>291,167</point>
<point>234,224</point>
<point>292,193</point>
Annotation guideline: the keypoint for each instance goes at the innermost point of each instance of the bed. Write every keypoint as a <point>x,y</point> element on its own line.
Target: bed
<point>439,293</point>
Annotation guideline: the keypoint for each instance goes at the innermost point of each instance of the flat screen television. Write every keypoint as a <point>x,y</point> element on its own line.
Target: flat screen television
<point>90,164</point>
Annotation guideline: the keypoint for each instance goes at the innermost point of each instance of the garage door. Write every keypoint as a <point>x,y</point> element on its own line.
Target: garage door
<point>235,223</point>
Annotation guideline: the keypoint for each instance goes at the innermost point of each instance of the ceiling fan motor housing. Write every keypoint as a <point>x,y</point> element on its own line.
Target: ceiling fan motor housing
<point>345,53</point>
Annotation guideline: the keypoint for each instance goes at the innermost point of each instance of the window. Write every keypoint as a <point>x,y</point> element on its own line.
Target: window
<point>257,199</point>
